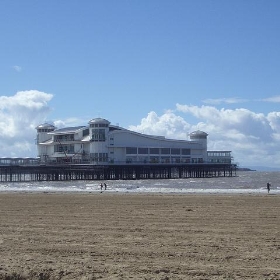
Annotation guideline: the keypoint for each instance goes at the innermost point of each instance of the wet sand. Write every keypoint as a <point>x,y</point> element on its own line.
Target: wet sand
<point>139,236</point>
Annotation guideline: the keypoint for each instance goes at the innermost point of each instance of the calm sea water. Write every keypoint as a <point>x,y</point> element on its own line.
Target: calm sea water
<point>244,182</point>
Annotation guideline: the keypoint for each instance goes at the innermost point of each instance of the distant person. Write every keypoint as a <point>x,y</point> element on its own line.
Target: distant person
<point>105,186</point>
<point>101,187</point>
<point>268,187</point>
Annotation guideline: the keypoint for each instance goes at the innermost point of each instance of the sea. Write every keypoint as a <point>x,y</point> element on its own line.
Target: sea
<point>245,182</point>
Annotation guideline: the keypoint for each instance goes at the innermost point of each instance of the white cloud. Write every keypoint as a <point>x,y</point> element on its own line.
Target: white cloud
<point>273,99</point>
<point>274,120</point>
<point>70,122</point>
<point>252,137</point>
<point>17,68</point>
<point>167,125</point>
<point>228,121</point>
<point>19,115</point>
<point>224,100</point>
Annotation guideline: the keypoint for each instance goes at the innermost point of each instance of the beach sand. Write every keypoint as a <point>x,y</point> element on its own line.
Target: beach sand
<point>139,236</point>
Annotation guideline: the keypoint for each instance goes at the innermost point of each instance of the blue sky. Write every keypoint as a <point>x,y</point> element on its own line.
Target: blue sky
<point>160,67</point>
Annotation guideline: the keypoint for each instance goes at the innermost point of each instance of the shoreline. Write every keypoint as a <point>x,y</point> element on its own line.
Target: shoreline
<point>139,236</point>
<point>23,192</point>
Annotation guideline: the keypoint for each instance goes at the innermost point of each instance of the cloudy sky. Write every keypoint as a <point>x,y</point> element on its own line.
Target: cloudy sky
<point>160,67</point>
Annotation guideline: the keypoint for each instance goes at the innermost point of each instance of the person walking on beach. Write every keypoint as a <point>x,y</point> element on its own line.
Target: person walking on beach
<point>268,187</point>
<point>105,186</point>
<point>101,187</point>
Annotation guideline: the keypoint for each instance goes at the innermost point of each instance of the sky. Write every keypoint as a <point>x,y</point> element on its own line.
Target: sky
<point>160,67</point>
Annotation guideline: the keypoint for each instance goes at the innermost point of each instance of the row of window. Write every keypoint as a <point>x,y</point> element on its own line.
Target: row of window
<point>226,160</point>
<point>99,157</point>
<point>45,129</point>
<point>219,154</point>
<point>157,151</point>
<point>65,137</point>
<point>99,125</point>
<point>164,160</point>
<point>64,148</point>
<point>98,135</point>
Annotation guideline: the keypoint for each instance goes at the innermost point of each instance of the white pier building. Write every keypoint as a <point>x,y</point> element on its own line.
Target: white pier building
<point>102,143</point>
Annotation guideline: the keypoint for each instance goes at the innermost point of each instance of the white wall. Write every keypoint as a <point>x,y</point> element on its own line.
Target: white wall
<point>118,155</point>
<point>130,139</point>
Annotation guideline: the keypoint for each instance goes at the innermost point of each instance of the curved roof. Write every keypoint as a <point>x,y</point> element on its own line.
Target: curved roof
<point>199,134</point>
<point>99,120</point>
<point>45,126</point>
<point>68,130</point>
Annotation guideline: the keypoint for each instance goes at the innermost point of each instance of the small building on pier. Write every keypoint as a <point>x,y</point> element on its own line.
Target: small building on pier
<point>102,143</point>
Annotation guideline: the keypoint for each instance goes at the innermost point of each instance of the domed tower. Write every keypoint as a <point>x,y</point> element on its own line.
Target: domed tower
<point>201,137</point>
<point>98,132</point>
<point>43,136</point>
<point>42,132</point>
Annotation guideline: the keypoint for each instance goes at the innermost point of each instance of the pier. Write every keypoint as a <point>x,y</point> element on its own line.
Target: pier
<point>69,172</point>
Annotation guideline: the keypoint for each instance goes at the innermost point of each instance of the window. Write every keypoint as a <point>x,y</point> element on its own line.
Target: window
<point>154,151</point>
<point>45,130</point>
<point>64,137</point>
<point>86,132</point>
<point>131,150</point>
<point>186,160</point>
<point>99,157</point>
<point>93,125</point>
<point>98,135</point>
<point>165,159</point>
<point>99,125</point>
<point>143,151</point>
<point>165,151</point>
<point>143,159</point>
<point>176,160</point>
<point>154,160</point>
<point>175,151</point>
<point>103,157</point>
<point>64,148</point>
<point>186,152</point>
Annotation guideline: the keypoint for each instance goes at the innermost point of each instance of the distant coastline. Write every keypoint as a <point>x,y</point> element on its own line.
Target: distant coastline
<point>259,168</point>
<point>245,169</point>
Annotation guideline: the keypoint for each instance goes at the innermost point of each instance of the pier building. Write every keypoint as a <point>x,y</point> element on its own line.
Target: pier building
<point>102,143</point>
<point>102,151</point>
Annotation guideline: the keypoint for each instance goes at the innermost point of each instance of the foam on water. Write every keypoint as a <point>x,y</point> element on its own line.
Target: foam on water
<point>244,182</point>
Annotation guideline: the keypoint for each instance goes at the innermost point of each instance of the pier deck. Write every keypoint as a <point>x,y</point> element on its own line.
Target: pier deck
<point>68,172</point>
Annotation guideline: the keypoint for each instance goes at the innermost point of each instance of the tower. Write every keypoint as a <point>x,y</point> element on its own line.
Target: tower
<point>43,136</point>
<point>200,137</point>
<point>98,132</point>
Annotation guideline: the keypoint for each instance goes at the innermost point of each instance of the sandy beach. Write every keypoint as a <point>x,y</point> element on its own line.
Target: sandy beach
<point>139,236</point>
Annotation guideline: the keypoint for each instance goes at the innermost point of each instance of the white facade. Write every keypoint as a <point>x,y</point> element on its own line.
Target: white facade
<point>102,143</point>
